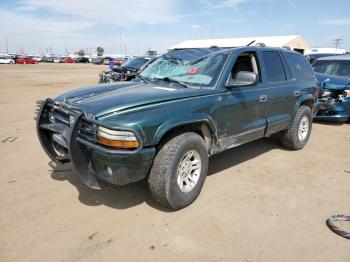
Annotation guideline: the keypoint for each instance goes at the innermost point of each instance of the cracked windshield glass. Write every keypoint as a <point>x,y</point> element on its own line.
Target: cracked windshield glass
<point>201,72</point>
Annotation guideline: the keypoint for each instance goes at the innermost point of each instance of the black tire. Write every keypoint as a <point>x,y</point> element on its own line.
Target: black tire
<point>290,137</point>
<point>162,180</point>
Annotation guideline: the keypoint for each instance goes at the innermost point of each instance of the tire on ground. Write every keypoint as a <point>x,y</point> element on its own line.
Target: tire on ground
<point>162,180</point>
<point>290,137</point>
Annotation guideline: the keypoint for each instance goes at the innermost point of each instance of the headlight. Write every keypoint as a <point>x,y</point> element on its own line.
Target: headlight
<point>346,93</point>
<point>116,138</point>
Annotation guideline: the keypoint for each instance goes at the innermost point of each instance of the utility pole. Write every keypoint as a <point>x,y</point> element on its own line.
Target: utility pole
<point>212,33</point>
<point>7,45</point>
<point>337,42</point>
<point>120,40</point>
<point>138,46</point>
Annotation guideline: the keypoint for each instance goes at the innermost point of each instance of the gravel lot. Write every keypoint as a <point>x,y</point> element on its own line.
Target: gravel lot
<point>259,203</point>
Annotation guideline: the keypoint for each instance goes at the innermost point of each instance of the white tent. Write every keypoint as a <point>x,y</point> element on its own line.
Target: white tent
<point>295,42</point>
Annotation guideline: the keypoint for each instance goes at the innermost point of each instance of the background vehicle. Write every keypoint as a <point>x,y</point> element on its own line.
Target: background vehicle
<point>56,59</point>
<point>313,57</point>
<point>333,74</point>
<point>82,59</point>
<point>67,60</point>
<point>125,72</point>
<point>97,60</point>
<point>181,109</point>
<point>37,58</point>
<point>118,62</point>
<point>25,60</point>
<point>101,60</point>
<point>47,59</point>
<point>6,60</point>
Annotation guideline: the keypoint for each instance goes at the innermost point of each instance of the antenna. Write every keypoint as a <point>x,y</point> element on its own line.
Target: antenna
<point>252,42</point>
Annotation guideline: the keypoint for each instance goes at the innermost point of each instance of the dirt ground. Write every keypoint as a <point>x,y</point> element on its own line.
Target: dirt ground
<point>260,202</point>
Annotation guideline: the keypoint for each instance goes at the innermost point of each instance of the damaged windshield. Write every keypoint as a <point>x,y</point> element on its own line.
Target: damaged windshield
<point>333,67</point>
<point>200,72</point>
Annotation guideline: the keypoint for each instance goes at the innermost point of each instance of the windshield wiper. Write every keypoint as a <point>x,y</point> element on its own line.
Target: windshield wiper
<point>142,78</point>
<point>172,80</point>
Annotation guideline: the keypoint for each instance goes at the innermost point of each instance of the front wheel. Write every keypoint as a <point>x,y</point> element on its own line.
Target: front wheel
<point>299,132</point>
<point>179,171</point>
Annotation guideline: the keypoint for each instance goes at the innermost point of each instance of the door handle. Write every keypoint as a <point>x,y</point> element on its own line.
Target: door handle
<point>263,98</point>
<point>297,93</point>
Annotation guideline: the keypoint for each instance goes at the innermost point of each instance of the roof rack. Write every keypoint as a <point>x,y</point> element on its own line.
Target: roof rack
<point>260,44</point>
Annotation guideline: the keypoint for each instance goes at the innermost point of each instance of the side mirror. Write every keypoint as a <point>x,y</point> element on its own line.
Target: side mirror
<point>243,78</point>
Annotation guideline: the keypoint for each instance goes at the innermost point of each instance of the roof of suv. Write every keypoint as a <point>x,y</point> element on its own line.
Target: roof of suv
<point>336,57</point>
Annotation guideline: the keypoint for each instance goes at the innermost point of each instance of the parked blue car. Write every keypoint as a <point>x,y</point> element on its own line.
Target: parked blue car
<point>333,75</point>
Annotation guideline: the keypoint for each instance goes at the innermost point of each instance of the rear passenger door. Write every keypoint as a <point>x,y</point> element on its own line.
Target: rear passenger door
<point>282,91</point>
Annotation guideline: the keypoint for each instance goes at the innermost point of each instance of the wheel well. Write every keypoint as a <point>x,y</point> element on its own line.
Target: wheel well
<point>200,128</point>
<point>308,103</point>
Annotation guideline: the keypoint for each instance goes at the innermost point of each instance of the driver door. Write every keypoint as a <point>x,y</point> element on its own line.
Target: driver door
<point>242,115</point>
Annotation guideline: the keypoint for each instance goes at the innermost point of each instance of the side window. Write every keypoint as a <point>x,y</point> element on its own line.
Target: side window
<point>273,66</point>
<point>301,69</point>
<point>247,62</point>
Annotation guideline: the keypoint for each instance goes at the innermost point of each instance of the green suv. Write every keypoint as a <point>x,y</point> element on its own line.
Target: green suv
<point>184,107</point>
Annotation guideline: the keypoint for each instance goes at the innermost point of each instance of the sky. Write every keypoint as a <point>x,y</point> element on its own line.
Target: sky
<point>138,25</point>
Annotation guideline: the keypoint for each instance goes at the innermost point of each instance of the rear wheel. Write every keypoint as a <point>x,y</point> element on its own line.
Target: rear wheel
<point>299,132</point>
<point>179,171</point>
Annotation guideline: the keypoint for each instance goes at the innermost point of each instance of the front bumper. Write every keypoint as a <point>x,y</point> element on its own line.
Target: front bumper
<point>66,141</point>
<point>334,111</point>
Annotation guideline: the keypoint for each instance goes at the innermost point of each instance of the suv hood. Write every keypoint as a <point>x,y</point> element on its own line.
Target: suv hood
<point>104,99</point>
<point>337,82</point>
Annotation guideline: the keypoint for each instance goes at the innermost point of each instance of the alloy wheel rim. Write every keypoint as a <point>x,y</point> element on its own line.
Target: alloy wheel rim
<point>188,171</point>
<point>303,128</point>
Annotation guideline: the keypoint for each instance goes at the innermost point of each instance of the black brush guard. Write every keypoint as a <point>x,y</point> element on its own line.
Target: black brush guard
<point>68,135</point>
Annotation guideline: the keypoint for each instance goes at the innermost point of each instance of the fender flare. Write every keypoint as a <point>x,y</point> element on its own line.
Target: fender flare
<point>174,122</point>
<point>301,99</point>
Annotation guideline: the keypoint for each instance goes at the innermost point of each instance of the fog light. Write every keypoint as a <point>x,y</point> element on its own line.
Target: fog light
<point>109,171</point>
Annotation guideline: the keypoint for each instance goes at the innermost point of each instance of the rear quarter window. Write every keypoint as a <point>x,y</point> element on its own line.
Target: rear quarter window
<point>300,67</point>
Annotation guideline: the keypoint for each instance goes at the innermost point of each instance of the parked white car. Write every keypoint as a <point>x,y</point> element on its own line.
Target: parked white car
<point>57,59</point>
<point>37,58</point>
<point>6,60</point>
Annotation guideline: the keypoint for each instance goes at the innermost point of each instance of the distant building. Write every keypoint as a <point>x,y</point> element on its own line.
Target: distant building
<point>325,50</point>
<point>295,42</point>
